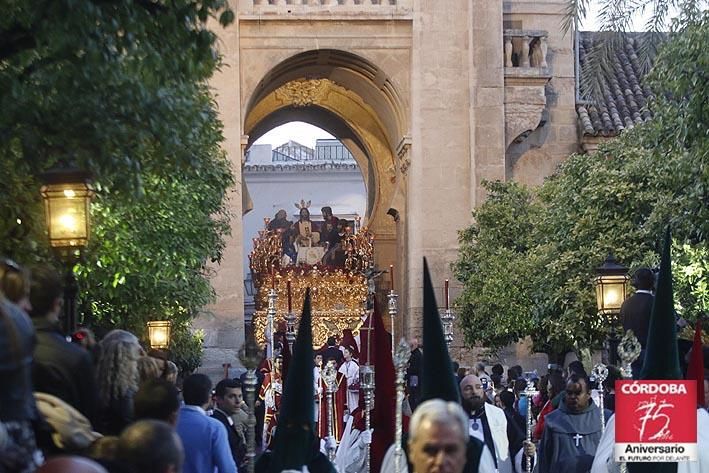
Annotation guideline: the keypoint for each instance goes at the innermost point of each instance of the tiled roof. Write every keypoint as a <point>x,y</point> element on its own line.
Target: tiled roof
<point>624,96</point>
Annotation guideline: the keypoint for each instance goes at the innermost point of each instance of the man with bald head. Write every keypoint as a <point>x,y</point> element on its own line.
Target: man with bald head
<point>150,445</point>
<point>490,424</point>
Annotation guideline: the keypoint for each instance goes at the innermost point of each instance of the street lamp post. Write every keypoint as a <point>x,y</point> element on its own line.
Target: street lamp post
<point>67,194</point>
<point>611,290</point>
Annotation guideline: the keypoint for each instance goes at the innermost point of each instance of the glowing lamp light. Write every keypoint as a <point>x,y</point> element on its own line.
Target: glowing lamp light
<point>611,286</point>
<point>159,334</point>
<point>67,194</point>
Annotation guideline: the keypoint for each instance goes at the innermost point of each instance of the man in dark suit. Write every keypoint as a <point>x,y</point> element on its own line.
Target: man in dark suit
<point>332,352</point>
<point>60,368</point>
<point>229,398</point>
<point>635,311</point>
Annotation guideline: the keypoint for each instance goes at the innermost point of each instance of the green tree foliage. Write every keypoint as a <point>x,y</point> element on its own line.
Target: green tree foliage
<point>119,88</point>
<point>527,263</point>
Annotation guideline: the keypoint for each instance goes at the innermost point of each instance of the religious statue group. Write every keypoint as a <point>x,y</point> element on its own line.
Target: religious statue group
<point>309,242</point>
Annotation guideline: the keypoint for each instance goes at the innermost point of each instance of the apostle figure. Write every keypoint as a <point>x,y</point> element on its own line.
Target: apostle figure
<point>350,369</point>
<point>280,221</point>
<point>571,432</point>
<point>270,395</point>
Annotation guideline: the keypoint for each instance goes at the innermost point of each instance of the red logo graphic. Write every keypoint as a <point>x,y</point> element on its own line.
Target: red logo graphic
<point>655,420</point>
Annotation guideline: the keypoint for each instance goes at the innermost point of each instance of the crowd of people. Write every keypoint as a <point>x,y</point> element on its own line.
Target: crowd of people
<point>75,404</point>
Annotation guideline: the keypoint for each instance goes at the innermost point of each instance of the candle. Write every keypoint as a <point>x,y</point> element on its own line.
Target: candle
<point>391,274</point>
<point>290,306</point>
<point>447,295</point>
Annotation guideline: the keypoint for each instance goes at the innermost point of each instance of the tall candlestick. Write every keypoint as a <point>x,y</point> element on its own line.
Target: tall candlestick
<point>391,273</point>
<point>447,295</point>
<point>290,305</point>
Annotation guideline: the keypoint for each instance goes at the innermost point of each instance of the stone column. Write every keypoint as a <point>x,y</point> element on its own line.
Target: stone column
<point>223,321</point>
<point>439,177</point>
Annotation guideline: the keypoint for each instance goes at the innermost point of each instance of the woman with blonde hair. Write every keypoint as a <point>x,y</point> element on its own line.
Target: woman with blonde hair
<point>117,380</point>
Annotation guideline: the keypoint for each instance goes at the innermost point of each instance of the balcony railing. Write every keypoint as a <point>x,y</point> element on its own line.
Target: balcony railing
<point>526,48</point>
<point>295,154</point>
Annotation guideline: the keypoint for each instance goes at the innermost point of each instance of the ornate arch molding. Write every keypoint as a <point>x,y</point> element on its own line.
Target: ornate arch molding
<point>359,116</point>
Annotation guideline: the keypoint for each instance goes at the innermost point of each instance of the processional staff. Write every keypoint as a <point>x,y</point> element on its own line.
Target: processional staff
<point>628,350</point>
<point>600,372</point>
<point>330,378</point>
<point>447,318</point>
<point>271,311</point>
<point>393,308</point>
<point>530,391</point>
<point>401,360</point>
<point>249,356</point>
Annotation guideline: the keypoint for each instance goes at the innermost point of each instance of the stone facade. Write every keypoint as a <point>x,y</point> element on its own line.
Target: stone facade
<point>431,98</point>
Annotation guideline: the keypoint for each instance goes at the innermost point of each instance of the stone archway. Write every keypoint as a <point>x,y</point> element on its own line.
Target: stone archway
<point>347,95</point>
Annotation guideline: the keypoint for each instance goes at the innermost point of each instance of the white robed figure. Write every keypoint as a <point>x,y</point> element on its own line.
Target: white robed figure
<point>350,368</point>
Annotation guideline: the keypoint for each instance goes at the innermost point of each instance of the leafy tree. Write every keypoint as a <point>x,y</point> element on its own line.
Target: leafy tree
<point>527,263</point>
<point>119,88</point>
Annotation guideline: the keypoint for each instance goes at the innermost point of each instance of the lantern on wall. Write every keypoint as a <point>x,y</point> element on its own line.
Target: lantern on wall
<point>67,194</point>
<point>611,286</point>
<point>159,334</point>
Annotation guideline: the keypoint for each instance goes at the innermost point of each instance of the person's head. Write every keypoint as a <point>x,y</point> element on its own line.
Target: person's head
<point>304,213</point>
<point>513,372</point>
<point>46,293</point>
<point>472,392</point>
<point>498,401</point>
<point>555,384</point>
<point>148,368</point>
<point>278,364</point>
<point>576,367</point>
<point>318,360</point>
<point>74,464</point>
<point>157,399</point>
<point>496,380</point>
<point>326,212</point>
<point>644,279</point>
<point>229,395</point>
<point>438,437</point>
<point>281,214</point>
<point>414,343</point>
<point>196,390</point>
<point>117,368</point>
<point>497,369</point>
<point>15,284</point>
<point>151,445</point>
<point>578,393</point>
<point>103,449</point>
<point>479,368</point>
<point>170,371</point>
<point>347,353</point>
<point>519,385</point>
<point>331,341</point>
<point>507,399</point>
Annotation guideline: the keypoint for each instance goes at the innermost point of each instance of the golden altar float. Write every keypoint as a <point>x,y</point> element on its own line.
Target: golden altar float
<point>338,293</point>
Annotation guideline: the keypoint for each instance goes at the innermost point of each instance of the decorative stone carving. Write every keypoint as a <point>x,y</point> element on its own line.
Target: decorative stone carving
<point>525,101</point>
<point>303,92</point>
<point>402,152</point>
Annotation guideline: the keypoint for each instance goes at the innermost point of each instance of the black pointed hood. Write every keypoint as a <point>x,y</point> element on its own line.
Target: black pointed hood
<point>438,380</point>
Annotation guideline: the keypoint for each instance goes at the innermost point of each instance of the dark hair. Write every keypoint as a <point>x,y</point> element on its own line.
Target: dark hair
<point>150,445</point>
<point>577,378</point>
<point>156,399</point>
<point>225,384</point>
<point>514,372</point>
<point>576,367</point>
<point>14,280</point>
<point>496,379</point>
<point>497,369</point>
<point>644,279</point>
<point>45,288</point>
<point>196,389</point>
<point>557,382</point>
<point>519,385</point>
<point>331,341</point>
<point>507,399</point>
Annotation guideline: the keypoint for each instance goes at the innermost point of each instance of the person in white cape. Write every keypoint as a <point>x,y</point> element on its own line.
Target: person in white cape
<point>352,451</point>
<point>604,463</point>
